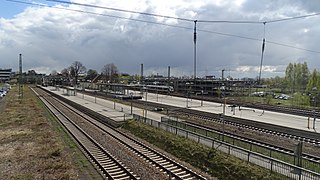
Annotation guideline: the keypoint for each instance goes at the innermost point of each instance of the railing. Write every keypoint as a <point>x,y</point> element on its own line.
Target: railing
<point>274,165</point>
<point>310,162</point>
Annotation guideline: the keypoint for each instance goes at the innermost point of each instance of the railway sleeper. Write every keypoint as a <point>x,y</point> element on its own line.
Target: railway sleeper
<point>117,169</point>
<point>153,156</point>
<point>101,156</point>
<point>106,162</point>
<point>120,176</point>
<point>118,173</point>
<point>178,169</point>
<point>182,172</point>
<point>185,176</point>
<point>111,166</point>
<point>157,159</point>
<point>167,164</point>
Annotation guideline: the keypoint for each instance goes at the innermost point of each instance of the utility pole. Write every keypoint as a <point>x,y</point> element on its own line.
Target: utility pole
<point>168,84</point>
<point>20,76</point>
<point>262,52</point>
<point>222,75</point>
<point>195,50</point>
<point>141,74</point>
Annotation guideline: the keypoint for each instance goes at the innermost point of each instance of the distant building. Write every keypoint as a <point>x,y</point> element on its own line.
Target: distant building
<point>5,75</point>
<point>31,77</point>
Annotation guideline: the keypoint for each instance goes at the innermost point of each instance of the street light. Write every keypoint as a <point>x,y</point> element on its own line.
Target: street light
<point>187,99</point>
<point>202,97</point>
<point>146,100</point>
<point>131,95</point>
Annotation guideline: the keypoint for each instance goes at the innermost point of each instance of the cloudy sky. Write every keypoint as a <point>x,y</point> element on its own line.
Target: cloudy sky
<point>52,36</point>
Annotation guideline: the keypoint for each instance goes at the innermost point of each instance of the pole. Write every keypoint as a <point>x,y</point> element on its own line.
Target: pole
<point>168,84</point>
<point>187,99</point>
<point>224,113</point>
<point>262,52</point>
<point>20,76</point>
<point>201,97</point>
<point>195,50</point>
<point>131,102</point>
<point>141,75</point>
<point>146,102</point>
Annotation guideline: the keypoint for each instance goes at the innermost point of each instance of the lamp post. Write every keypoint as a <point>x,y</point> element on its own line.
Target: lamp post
<point>314,111</point>
<point>131,95</point>
<point>187,99</point>
<point>202,97</point>
<point>224,113</point>
<point>146,100</point>
<point>157,93</point>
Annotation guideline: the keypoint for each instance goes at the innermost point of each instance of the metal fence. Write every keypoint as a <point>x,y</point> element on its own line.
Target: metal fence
<point>273,152</point>
<point>270,163</point>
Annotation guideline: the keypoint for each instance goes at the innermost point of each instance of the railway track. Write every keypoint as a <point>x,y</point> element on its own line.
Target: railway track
<point>109,166</point>
<point>300,135</point>
<point>294,134</point>
<point>173,169</point>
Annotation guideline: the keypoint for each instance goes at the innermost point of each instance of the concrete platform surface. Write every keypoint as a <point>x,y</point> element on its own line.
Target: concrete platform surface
<point>287,120</point>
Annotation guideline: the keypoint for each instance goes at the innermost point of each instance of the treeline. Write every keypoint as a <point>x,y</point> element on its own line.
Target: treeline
<point>298,78</point>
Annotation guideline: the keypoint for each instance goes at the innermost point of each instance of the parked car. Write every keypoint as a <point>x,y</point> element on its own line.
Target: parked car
<point>3,92</point>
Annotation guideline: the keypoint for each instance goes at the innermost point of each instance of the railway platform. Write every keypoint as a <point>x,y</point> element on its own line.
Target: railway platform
<point>121,112</point>
<point>111,109</point>
<point>281,119</point>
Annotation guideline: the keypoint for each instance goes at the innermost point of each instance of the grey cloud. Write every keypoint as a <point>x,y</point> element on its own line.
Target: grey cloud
<point>56,38</point>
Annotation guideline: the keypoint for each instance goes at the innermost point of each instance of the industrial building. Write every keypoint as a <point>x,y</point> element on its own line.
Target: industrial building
<point>5,75</point>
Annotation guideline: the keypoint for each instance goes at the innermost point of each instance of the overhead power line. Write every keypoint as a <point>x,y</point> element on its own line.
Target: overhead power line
<point>186,19</point>
<point>122,10</point>
<point>157,15</point>
<point>293,18</point>
<point>164,24</point>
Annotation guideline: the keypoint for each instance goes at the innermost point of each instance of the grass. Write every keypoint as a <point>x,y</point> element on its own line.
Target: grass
<point>30,142</point>
<point>30,145</point>
<point>213,162</point>
<point>84,167</point>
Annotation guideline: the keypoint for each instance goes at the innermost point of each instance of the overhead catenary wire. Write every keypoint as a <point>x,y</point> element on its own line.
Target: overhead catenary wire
<point>164,24</point>
<point>122,10</point>
<point>186,19</point>
<point>293,18</point>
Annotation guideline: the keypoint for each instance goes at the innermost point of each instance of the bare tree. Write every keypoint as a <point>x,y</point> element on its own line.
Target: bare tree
<point>110,72</point>
<point>65,72</point>
<point>75,69</point>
